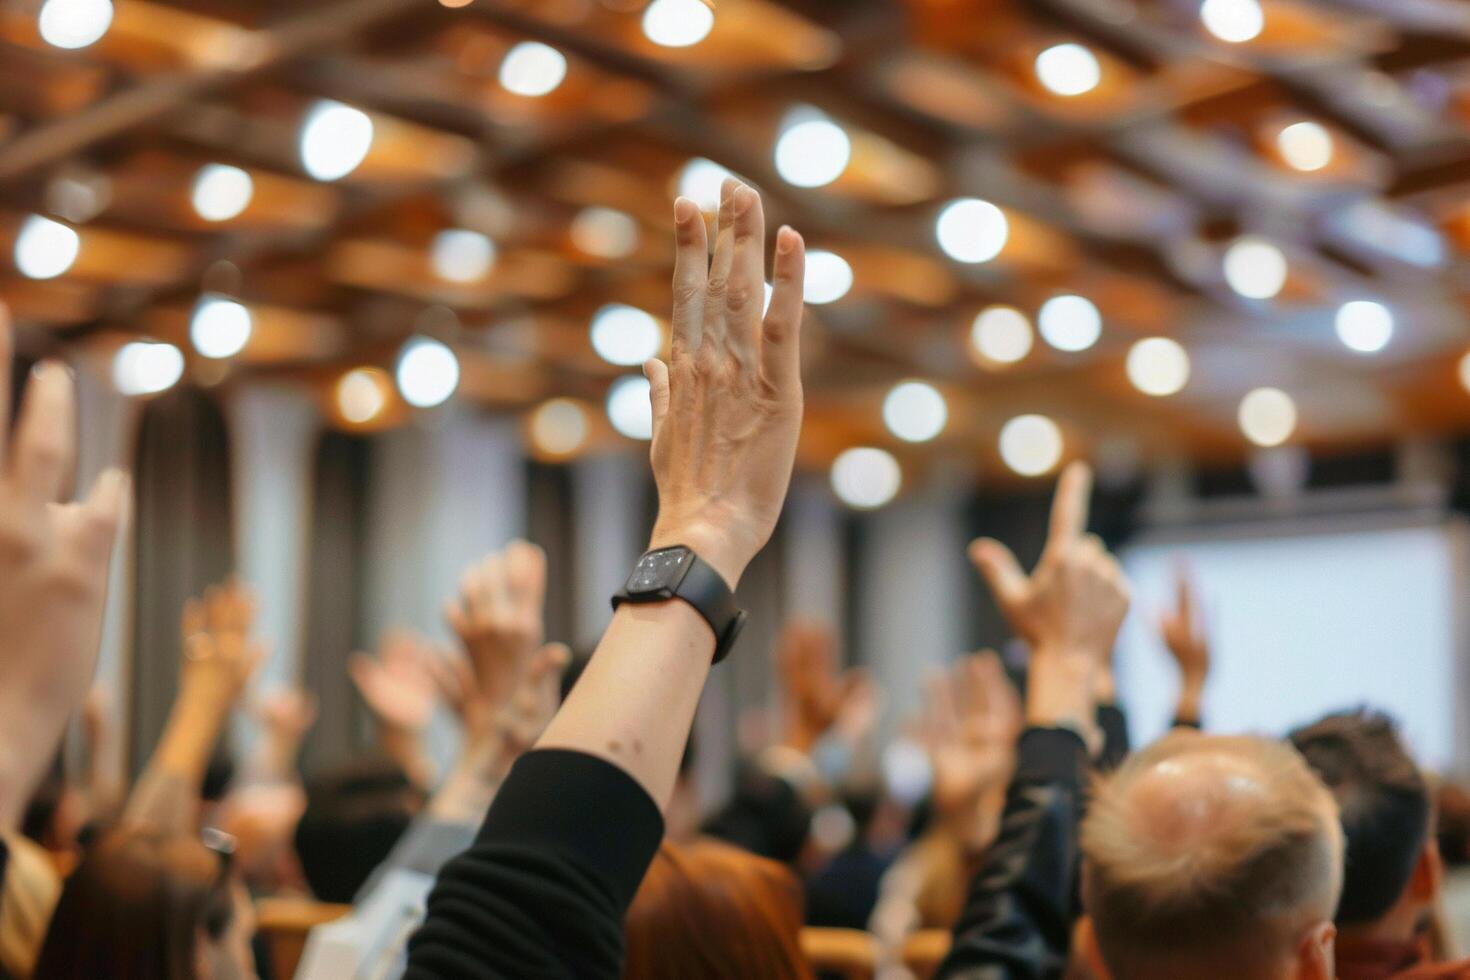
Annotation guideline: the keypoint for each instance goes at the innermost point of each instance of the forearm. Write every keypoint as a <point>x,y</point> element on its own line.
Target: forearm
<point>167,794</point>
<point>470,787</point>
<point>406,748</point>
<point>1188,710</point>
<point>635,702</point>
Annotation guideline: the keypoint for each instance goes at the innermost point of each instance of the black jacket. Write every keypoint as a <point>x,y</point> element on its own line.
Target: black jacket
<point>1018,918</point>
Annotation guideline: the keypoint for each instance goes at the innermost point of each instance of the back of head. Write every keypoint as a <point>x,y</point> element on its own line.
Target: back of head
<point>134,909</point>
<point>714,911</point>
<point>352,819</point>
<point>1384,803</point>
<point>1209,856</point>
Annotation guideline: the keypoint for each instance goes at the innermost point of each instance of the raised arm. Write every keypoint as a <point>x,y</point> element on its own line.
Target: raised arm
<point>1187,637</point>
<point>54,561</point>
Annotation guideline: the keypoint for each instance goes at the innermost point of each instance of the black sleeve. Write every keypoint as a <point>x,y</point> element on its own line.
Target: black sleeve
<point>1017,921</point>
<point>543,890</point>
<point>1114,725</point>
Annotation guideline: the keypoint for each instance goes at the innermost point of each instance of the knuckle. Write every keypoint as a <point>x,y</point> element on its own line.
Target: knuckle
<point>717,286</point>
<point>685,292</point>
<point>738,297</point>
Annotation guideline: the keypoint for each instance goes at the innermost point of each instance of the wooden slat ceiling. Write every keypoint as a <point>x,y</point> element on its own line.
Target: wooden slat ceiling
<point>1127,194</point>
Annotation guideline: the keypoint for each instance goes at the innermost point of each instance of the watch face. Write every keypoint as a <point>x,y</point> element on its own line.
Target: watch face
<point>657,570</point>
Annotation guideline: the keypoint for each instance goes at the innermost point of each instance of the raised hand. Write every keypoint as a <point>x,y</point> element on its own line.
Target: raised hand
<point>814,693</point>
<point>399,684</point>
<point>972,719</point>
<point>727,407</point>
<point>1184,631</point>
<point>1076,597</point>
<point>287,714</point>
<point>54,560</point>
<point>498,616</point>
<point>220,653</point>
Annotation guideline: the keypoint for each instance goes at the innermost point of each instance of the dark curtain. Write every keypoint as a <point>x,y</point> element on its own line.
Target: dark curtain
<point>549,523</point>
<point>184,543</point>
<point>335,586</point>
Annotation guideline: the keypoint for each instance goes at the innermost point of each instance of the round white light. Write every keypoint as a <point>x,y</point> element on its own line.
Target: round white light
<point>559,427</point>
<point>1001,334</point>
<point>1158,366</point>
<point>532,69</point>
<point>813,153</point>
<point>625,335</point>
<point>428,373</point>
<point>866,477</point>
<point>915,411</point>
<point>335,139</point>
<point>1235,21</point>
<point>1255,268</point>
<point>458,255</point>
<point>1305,145</point>
<point>1031,444</point>
<point>44,249</point>
<point>143,368</point>
<point>361,394</point>
<point>628,407</point>
<point>221,192</point>
<point>1267,416</point>
<point>220,327</point>
<point>1069,323</point>
<point>828,277</point>
<point>605,233</point>
<point>700,181</point>
<point>74,24</point>
<point>677,23</point>
<point>1364,326</point>
<point>971,230</point>
<point>1068,69</point>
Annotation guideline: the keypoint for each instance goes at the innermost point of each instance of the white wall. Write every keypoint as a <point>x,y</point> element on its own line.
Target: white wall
<point>1306,623</point>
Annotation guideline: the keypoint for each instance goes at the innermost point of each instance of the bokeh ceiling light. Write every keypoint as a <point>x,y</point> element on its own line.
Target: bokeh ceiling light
<point>866,477</point>
<point>812,153</point>
<point>1364,325</point>
<point>1068,69</point>
<point>221,192</point>
<point>1069,323</point>
<point>1267,416</point>
<point>828,277</point>
<point>1001,334</point>
<point>532,69</point>
<point>362,394</point>
<point>971,230</point>
<point>559,427</point>
<point>677,23</point>
<point>1305,145</point>
<point>44,249</point>
<point>1158,366</point>
<point>605,233</point>
<point>1234,21</point>
<point>1255,268</point>
<point>625,335</point>
<point>700,181</point>
<point>428,372</point>
<point>628,408</point>
<point>915,411</point>
<point>146,368</point>
<point>335,139</point>
<point>460,255</point>
<point>1031,444</point>
<point>220,327</point>
<point>73,24</point>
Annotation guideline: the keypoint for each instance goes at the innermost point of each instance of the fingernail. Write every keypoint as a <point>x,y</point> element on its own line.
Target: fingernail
<point>683,209</point>
<point>49,366</point>
<point>785,239</point>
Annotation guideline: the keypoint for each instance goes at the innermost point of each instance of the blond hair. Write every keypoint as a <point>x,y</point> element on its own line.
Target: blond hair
<point>1209,855</point>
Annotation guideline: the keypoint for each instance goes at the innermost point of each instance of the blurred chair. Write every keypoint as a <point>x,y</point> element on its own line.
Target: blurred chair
<point>925,950</point>
<point>284,923</point>
<point>848,953</point>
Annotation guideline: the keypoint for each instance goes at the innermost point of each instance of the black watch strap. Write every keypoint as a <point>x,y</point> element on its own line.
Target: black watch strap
<point>703,588</point>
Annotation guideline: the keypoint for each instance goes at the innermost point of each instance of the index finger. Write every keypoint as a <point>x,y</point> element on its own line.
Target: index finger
<point>691,273</point>
<point>6,351</point>
<point>1070,505</point>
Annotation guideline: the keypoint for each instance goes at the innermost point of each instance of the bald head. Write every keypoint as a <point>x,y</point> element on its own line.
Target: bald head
<point>1208,856</point>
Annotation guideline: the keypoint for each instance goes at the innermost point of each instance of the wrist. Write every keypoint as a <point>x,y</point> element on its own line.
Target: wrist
<point>716,548</point>
<point>1060,689</point>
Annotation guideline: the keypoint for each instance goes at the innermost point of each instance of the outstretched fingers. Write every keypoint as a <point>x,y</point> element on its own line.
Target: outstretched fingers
<point>691,276</point>
<point>45,440</point>
<point>1069,507</point>
<point>781,330</point>
<point>746,291</point>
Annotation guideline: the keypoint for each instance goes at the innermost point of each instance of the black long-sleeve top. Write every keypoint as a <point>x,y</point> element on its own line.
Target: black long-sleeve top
<point>1018,917</point>
<point>543,890</point>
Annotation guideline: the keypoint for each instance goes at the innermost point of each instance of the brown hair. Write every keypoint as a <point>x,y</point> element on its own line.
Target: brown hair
<point>134,908</point>
<point>713,911</point>
<point>1209,850</point>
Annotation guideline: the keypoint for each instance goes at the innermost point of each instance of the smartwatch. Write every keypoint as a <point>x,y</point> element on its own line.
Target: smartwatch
<point>678,573</point>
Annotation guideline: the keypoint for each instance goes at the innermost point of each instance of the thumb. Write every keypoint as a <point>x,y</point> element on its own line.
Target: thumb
<point>998,566</point>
